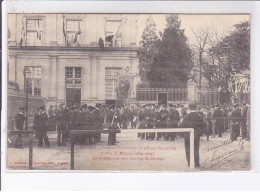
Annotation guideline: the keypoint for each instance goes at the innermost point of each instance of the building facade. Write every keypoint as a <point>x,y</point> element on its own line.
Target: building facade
<point>71,58</point>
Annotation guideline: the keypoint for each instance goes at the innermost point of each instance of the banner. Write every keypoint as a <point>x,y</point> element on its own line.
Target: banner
<point>126,88</point>
<point>239,83</point>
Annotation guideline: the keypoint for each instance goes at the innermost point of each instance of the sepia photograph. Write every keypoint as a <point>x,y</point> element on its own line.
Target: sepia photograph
<point>128,92</point>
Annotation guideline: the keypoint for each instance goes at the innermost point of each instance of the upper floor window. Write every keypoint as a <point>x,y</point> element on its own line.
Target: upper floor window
<point>73,75</point>
<point>33,32</point>
<point>73,32</point>
<point>113,32</point>
<point>33,80</point>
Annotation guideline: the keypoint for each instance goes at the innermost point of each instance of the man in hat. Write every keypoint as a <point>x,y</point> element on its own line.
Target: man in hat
<point>36,121</point>
<point>193,120</point>
<point>52,120</point>
<point>235,123</point>
<point>174,119</point>
<point>19,122</point>
<point>43,127</point>
<point>243,130</point>
<point>217,122</point>
<point>164,117</point>
<point>61,125</point>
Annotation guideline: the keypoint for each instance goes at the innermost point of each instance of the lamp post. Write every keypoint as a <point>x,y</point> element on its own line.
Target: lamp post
<point>25,72</point>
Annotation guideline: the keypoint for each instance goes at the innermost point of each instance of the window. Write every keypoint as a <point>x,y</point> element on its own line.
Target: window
<point>73,32</point>
<point>111,76</point>
<point>73,75</point>
<point>33,32</point>
<point>33,80</point>
<point>113,32</point>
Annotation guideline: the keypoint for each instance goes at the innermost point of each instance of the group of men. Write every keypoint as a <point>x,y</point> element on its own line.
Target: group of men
<point>204,120</point>
<point>40,124</point>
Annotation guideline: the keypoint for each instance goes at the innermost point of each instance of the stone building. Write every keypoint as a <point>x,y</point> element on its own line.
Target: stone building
<point>71,58</point>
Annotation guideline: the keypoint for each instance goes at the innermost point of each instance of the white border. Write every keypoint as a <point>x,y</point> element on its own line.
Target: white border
<point>132,181</point>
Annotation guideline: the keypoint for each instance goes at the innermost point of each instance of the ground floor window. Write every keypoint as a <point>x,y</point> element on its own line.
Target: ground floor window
<point>33,80</point>
<point>73,75</point>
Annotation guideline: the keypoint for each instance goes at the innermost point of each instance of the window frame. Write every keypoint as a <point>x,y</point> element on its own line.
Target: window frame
<point>43,19</point>
<point>79,20</point>
<point>33,77</point>
<point>72,81</point>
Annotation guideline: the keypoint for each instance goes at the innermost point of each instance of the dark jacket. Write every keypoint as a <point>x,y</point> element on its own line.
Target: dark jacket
<point>216,114</point>
<point>19,121</point>
<point>36,121</point>
<point>236,113</point>
<point>194,120</point>
<point>43,121</point>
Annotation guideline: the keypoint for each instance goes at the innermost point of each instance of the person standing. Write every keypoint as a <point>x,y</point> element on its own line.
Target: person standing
<point>52,120</point>
<point>115,124</point>
<point>193,120</point>
<point>164,117</point>
<point>174,119</point>
<point>217,122</point>
<point>19,122</point>
<point>248,122</point>
<point>43,127</point>
<point>61,126</point>
<point>133,117</point>
<point>235,123</point>
<point>36,122</point>
<point>243,127</point>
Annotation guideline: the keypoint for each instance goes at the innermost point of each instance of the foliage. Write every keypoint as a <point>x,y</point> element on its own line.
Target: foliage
<point>172,63</point>
<point>234,49</point>
<point>147,50</point>
<point>218,58</point>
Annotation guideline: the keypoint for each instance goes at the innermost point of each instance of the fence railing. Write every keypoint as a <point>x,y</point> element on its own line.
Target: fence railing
<point>151,94</point>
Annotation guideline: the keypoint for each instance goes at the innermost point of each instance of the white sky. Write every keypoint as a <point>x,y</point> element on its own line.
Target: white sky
<point>221,23</point>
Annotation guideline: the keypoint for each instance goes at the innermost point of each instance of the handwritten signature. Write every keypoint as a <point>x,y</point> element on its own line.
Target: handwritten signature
<point>219,157</point>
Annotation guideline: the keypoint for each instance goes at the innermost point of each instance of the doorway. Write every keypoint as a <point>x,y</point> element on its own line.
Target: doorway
<point>162,98</point>
<point>73,97</point>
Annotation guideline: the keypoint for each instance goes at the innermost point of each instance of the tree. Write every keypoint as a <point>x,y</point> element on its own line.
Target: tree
<point>172,63</point>
<point>217,58</point>
<point>234,49</point>
<point>147,50</point>
<point>202,39</point>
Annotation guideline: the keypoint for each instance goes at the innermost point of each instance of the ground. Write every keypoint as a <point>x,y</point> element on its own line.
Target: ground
<point>134,154</point>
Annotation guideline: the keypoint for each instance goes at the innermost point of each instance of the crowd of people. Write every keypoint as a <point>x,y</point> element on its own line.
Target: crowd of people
<point>204,121</point>
<point>235,118</point>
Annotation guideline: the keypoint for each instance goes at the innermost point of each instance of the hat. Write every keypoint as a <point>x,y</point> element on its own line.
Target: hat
<point>42,107</point>
<point>84,106</point>
<point>21,108</point>
<point>192,106</point>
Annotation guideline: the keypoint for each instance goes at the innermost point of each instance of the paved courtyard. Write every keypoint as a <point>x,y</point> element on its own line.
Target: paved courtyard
<point>134,154</point>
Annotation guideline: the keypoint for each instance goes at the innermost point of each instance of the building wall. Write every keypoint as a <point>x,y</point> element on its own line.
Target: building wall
<point>92,61</point>
<point>53,55</point>
<point>92,28</point>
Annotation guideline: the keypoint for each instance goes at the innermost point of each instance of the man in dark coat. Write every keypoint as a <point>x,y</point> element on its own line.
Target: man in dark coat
<point>61,126</point>
<point>174,119</point>
<point>19,122</point>
<point>43,127</point>
<point>243,121</point>
<point>235,123</point>
<point>195,121</point>
<point>36,122</point>
<point>164,118</point>
<point>52,120</point>
<point>217,122</point>
<point>115,124</point>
